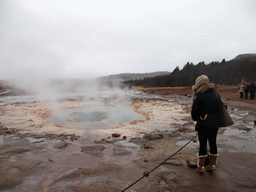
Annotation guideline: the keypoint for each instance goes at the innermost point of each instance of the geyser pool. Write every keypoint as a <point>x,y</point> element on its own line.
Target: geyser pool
<point>95,117</point>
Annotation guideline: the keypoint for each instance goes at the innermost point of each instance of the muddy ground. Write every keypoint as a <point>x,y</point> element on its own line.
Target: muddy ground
<point>38,155</point>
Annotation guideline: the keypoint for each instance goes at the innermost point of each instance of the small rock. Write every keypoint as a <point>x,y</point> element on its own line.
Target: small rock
<point>27,165</point>
<point>112,141</point>
<point>94,149</point>
<point>192,163</point>
<point>148,146</point>
<point>41,125</point>
<point>153,136</point>
<point>60,145</point>
<point>7,131</point>
<point>124,137</point>
<point>138,141</point>
<point>145,160</point>
<point>40,141</point>
<point>73,137</point>
<point>174,162</point>
<point>121,152</point>
<point>116,135</point>
<point>245,129</point>
<point>10,131</point>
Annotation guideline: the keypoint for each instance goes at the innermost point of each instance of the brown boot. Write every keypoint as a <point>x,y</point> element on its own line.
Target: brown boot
<point>201,163</point>
<point>213,160</point>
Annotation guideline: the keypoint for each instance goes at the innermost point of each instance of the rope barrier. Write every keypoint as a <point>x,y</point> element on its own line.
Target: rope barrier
<point>245,116</point>
<point>160,164</point>
<point>145,175</point>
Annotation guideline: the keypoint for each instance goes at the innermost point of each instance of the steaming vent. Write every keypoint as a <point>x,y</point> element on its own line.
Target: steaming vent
<point>84,117</point>
<point>95,116</point>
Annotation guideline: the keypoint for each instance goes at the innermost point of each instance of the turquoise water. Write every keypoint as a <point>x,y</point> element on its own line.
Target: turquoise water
<point>95,117</point>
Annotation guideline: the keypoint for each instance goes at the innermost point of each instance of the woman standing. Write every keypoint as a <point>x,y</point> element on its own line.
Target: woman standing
<point>205,112</point>
<point>241,90</point>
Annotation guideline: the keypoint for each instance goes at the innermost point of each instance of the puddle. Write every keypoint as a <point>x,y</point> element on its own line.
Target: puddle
<point>35,140</point>
<point>252,123</point>
<point>250,126</point>
<point>128,144</point>
<point>234,132</point>
<point>191,144</point>
<point>16,138</point>
<point>95,117</point>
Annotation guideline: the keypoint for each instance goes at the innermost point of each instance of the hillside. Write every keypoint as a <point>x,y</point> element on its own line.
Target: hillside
<point>244,56</point>
<point>8,90</point>
<point>128,76</point>
<point>241,68</point>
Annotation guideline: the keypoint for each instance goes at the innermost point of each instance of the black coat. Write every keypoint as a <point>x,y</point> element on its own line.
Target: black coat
<point>206,103</point>
<point>252,88</point>
<point>246,88</point>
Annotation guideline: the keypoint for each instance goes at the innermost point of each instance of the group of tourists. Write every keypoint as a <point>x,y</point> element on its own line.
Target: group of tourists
<point>247,88</point>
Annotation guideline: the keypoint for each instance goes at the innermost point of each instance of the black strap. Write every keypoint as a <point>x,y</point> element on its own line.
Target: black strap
<point>218,96</point>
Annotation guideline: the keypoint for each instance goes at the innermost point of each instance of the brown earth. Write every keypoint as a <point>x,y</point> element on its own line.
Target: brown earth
<point>236,169</point>
<point>226,92</point>
<point>52,162</point>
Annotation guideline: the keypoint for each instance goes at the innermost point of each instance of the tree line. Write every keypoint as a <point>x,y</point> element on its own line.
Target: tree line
<point>221,73</point>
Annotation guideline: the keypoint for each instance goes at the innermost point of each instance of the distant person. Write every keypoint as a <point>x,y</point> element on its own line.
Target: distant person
<point>255,88</point>
<point>205,112</point>
<point>246,90</point>
<point>252,90</point>
<point>241,90</point>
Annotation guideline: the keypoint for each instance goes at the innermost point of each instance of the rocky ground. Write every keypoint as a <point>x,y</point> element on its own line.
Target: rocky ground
<point>37,155</point>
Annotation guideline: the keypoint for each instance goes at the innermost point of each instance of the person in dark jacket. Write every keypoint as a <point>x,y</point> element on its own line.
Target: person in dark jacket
<point>252,90</point>
<point>246,90</point>
<point>205,113</point>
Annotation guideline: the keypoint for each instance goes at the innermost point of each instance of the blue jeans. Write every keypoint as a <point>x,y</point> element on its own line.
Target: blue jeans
<point>210,135</point>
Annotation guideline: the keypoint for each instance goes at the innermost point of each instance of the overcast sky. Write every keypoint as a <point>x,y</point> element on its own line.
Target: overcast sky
<point>89,38</point>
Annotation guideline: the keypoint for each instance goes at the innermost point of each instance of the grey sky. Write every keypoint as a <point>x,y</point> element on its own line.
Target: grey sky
<point>87,38</point>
